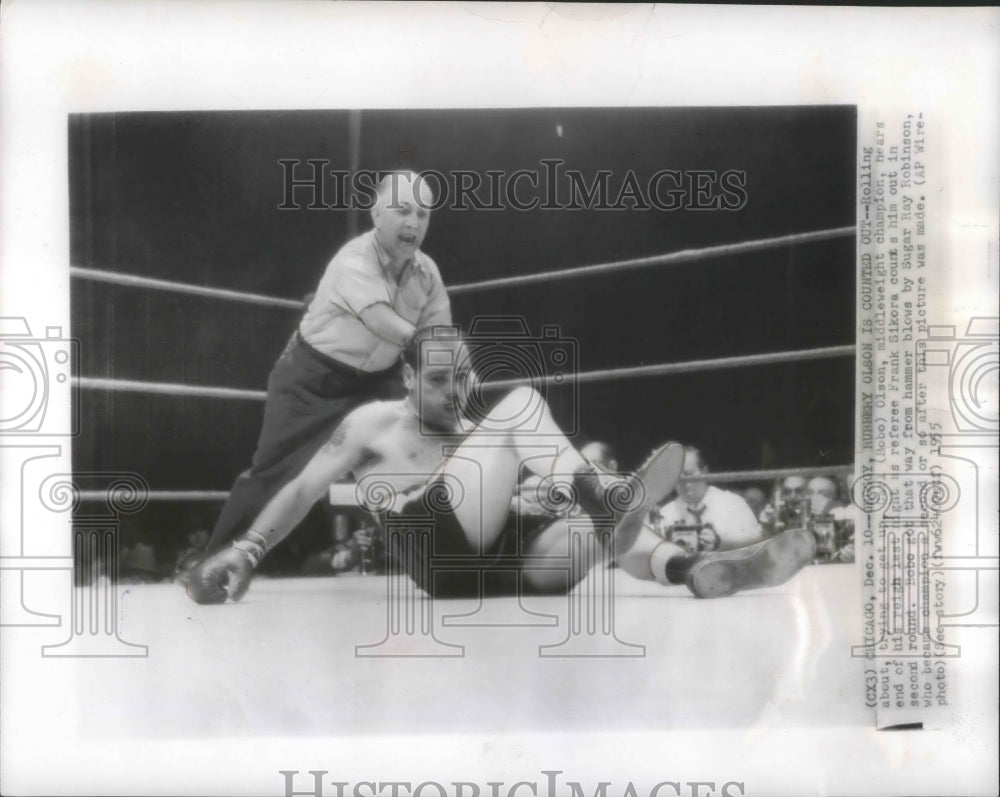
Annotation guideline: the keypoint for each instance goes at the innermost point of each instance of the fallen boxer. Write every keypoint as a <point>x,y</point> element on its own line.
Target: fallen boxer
<point>428,450</point>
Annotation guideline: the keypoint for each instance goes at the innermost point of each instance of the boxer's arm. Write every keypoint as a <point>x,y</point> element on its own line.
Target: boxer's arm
<point>344,451</point>
<point>227,573</point>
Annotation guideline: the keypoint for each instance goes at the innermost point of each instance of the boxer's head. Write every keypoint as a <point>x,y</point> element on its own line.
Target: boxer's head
<point>402,213</point>
<point>437,373</point>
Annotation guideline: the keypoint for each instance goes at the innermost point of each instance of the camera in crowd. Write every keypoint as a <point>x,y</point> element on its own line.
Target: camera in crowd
<point>834,538</point>
<point>370,543</point>
<point>833,530</point>
<point>691,537</point>
<point>694,537</point>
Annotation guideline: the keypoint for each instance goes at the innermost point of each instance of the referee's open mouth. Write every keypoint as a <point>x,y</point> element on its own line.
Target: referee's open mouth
<point>408,238</point>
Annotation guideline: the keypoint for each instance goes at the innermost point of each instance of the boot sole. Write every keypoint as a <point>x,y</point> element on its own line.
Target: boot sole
<point>772,563</point>
<point>658,476</point>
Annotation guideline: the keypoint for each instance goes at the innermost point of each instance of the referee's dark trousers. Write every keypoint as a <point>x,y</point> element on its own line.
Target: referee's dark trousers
<point>308,394</point>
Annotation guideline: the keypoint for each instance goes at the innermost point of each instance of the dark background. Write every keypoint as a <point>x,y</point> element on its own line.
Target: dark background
<point>193,197</point>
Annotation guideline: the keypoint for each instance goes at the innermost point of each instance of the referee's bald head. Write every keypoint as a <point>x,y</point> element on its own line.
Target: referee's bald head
<point>397,188</point>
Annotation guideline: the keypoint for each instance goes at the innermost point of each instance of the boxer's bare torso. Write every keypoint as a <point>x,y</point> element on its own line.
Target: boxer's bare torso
<point>386,438</point>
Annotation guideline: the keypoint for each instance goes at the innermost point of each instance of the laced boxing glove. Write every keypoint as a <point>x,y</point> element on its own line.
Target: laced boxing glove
<point>227,573</point>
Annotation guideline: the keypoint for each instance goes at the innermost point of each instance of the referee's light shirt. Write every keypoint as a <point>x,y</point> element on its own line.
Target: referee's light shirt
<point>357,278</point>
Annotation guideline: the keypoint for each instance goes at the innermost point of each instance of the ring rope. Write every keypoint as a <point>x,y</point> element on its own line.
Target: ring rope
<point>723,477</point>
<point>672,258</point>
<point>741,361</point>
<point>668,259</point>
<point>135,281</point>
<point>346,494</point>
<point>166,388</point>
<point>163,495</point>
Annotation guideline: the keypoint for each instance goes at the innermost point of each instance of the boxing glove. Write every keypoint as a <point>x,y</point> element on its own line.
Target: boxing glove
<point>225,574</point>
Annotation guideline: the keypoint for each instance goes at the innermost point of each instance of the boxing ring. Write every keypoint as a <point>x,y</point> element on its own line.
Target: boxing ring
<point>342,654</point>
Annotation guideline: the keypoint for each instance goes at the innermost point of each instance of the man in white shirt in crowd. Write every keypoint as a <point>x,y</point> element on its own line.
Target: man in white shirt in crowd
<point>756,499</point>
<point>728,521</point>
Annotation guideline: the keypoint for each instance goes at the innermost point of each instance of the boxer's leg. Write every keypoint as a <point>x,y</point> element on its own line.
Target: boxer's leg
<point>544,564</point>
<point>651,558</point>
<point>488,460</point>
<point>545,556</point>
<point>719,573</point>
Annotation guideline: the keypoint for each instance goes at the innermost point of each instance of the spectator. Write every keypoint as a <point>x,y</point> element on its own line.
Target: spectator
<point>340,556</point>
<point>786,510</point>
<point>727,521</point>
<point>821,492</point>
<point>793,489</point>
<point>137,565</point>
<point>824,501</point>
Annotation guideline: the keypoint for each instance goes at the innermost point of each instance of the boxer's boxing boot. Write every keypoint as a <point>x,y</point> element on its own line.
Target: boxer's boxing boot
<point>627,499</point>
<point>764,564</point>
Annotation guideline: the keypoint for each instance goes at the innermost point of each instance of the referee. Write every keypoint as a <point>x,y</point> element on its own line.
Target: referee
<point>378,290</point>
